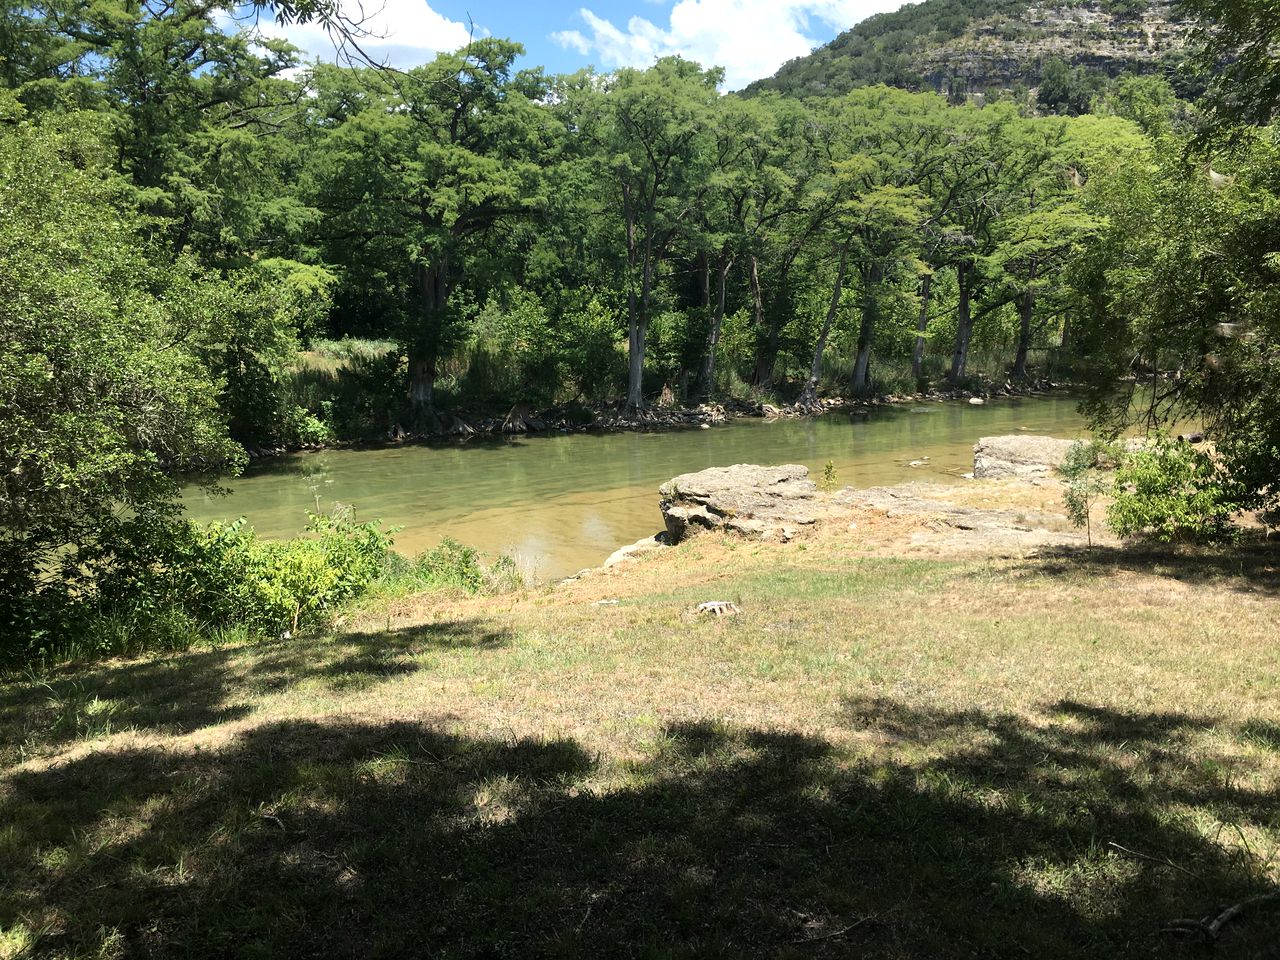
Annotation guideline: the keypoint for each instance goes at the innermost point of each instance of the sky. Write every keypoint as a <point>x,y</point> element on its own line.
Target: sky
<point>749,38</point>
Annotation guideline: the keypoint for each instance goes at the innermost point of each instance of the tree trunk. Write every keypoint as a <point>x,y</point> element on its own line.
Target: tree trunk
<point>964,326</point>
<point>706,379</point>
<point>637,328</point>
<point>1026,311</point>
<point>433,293</point>
<point>637,308</point>
<point>917,357</point>
<point>1026,307</point>
<point>871,280</point>
<point>422,383</point>
<point>809,395</point>
<point>768,328</point>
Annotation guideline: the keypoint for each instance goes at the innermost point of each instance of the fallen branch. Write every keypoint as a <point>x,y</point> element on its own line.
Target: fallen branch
<point>1211,928</point>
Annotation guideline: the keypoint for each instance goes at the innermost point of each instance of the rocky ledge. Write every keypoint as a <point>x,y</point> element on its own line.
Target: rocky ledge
<point>1018,456</point>
<point>661,416</point>
<point>760,502</point>
<point>778,502</point>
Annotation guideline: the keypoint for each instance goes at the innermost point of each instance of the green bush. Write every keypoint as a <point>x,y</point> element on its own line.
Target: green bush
<point>1173,491</point>
<point>829,477</point>
<point>301,427</point>
<point>223,574</point>
<point>163,584</point>
<point>454,566</point>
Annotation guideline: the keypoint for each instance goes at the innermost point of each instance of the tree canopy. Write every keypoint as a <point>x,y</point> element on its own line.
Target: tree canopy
<point>211,246</point>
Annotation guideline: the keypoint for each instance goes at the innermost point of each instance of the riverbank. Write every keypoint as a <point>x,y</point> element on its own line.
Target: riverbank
<point>903,744</point>
<point>564,501</point>
<point>614,417</point>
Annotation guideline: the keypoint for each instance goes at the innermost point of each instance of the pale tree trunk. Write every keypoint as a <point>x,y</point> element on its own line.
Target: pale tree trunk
<point>706,379</point>
<point>809,395</point>
<point>637,311</point>
<point>964,326</point>
<point>1026,310</point>
<point>871,280</point>
<point>638,333</point>
<point>422,384</point>
<point>922,325</point>
<point>637,327</point>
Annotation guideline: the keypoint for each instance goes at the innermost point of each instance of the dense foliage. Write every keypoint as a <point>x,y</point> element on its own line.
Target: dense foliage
<point>187,207</point>
<point>1238,46</point>
<point>1180,305</point>
<point>519,239</point>
<point>1173,491</point>
<point>100,399</point>
<point>164,587</point>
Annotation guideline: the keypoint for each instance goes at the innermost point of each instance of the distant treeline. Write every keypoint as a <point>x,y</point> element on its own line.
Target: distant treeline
<point>524,239</point>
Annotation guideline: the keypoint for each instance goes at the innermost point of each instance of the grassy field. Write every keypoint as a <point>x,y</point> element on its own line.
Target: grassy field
<point>888,753</point>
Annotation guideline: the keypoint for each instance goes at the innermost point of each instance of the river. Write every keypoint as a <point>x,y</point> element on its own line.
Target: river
<point>563,502</point>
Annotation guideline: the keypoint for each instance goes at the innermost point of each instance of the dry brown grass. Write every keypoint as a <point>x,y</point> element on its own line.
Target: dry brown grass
<point>945,743</point>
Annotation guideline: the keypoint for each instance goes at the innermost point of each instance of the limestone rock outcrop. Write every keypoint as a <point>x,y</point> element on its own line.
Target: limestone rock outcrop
<point>1018,456</point>
<point>755,501</point>
<point>637,549</point>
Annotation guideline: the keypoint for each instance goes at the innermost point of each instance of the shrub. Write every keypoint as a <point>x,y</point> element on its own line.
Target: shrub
<point>301,427</point>
<point>1173,491</point>
<point>452,565</point>
<point>1084,471</point>
<point>162,583</point>
<point>225,575</point>
<point>829,477</point>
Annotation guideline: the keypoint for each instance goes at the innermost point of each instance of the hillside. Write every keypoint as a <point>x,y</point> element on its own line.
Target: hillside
<point>957,47</point>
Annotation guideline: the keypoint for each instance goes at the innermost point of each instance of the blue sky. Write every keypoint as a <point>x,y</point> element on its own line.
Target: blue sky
<point>749,38</point>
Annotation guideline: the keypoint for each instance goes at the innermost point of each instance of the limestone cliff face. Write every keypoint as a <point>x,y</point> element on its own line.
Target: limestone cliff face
<point>1006,50</point>
<point>962,47</point>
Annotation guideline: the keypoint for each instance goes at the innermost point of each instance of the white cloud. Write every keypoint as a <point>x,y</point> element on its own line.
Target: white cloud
<point>572,40</point>
<point>749,38</point>
<point>401,33</point>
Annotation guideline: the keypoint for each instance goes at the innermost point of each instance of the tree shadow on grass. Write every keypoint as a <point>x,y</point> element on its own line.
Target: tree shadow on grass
<point>359,660</point>
<point>961,834</point>
<point>199,688</point>
<point>1250,568</point>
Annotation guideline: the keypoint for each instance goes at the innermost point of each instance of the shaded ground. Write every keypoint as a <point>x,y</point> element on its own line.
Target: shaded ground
<point>930,754</point>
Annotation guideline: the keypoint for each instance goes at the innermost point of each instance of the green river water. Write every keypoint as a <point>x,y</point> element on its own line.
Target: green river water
<point>563,502</point>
